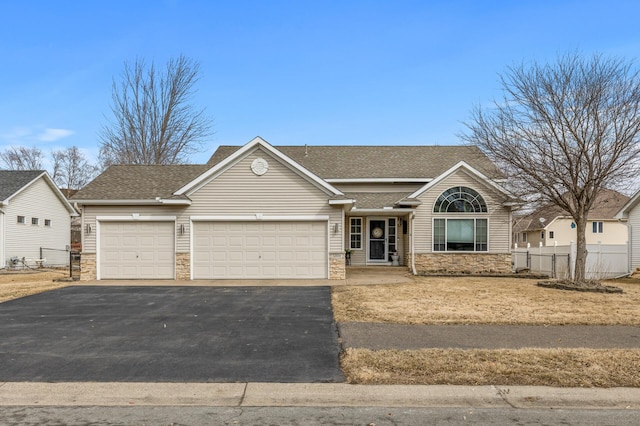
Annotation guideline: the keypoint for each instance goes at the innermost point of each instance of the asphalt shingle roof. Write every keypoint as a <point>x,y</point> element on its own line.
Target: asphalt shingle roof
<point>607,204</point>
<point>145,182</point>
<point>12,180</point>
<point>136,182</point>
<point>376,200</point>
<point>352,162</point>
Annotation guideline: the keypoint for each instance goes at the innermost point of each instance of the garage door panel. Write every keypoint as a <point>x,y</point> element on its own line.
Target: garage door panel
<point>262,250</point>
<point>137,250</point>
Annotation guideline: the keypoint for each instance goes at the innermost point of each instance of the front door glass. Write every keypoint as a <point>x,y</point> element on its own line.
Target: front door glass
<point>377,239</point>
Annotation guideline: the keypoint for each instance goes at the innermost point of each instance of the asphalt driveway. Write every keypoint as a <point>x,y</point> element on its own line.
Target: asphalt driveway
<point>170,334</point>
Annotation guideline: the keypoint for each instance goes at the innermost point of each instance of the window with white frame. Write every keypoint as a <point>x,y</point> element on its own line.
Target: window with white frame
<point>597,227</point>
<point>21,219</point>
<point>355,233</point>
<point>47,223</point>
<point>457,231</point>
<point>35,221</point>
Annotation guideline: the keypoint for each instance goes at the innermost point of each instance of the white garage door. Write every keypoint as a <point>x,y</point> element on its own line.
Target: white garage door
<point>137,250</point>
<point>260,250</point>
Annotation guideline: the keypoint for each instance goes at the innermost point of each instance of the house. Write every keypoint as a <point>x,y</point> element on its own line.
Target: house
<point>35,219</point>
<point>631,213</point>
<point>265,212</point>
<point>550,225</point>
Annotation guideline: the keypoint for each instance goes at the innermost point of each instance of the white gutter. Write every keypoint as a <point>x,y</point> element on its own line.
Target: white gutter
<point>338,202</point>
<point>146,202</point>
<point>385,211</point>
<point>378,180</point>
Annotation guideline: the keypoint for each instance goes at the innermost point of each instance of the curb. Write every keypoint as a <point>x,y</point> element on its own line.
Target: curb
<point>312,395</point>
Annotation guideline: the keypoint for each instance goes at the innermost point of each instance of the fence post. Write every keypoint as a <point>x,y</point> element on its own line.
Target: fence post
<point>540,256</point>
<point>573,252</point>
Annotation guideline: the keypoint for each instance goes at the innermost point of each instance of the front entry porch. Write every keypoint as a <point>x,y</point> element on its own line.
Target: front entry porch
<point>376,240</point>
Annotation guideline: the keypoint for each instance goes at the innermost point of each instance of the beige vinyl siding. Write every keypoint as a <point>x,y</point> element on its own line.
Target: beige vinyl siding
<point>499,217</point>
<point>279,192</point>
<point>91,212</point>
<point>634,237</point>
<point>40,201</point>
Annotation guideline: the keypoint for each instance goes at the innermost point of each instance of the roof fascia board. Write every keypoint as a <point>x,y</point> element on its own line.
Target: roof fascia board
<point>146,202</point>
<point>379,180</point>
<point>387,212</point>
<point>244,151</point>
<point>136,217</point>
<point>338,202</point>
<point>260,217</point>
<point>460,165</point>
<point>623,213</point>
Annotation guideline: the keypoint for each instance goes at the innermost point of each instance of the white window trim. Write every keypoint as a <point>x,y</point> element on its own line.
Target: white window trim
<point>464,216</point>
<point>24,220</point>
<point>361,233</point>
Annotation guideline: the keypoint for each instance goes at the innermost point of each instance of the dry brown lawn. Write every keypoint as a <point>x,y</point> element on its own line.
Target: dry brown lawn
<point>531,367</point>
<point>15,284</point>
<point>478,300</point>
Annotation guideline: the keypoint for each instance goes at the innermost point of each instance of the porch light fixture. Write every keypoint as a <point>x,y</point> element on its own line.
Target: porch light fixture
<point>87,228</point>
<point>336,228</point>
<point>182,229</point>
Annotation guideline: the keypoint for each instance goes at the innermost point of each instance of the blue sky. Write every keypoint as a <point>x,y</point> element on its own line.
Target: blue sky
<point>294,72</point>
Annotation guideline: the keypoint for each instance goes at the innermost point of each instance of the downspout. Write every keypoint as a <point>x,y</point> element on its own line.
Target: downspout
<point>413,251</point>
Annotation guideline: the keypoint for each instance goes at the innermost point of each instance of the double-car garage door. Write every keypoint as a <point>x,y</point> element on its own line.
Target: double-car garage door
<point>221,250</point>
<point>259,250</point>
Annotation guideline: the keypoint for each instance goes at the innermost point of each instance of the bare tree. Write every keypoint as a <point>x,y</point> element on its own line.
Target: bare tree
<point>153,119</point>
<point>72,170</point>
<point>22,158</point>
<point>564,131</point>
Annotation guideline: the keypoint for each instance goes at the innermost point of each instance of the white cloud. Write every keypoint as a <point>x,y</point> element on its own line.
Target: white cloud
<point>50,135</point>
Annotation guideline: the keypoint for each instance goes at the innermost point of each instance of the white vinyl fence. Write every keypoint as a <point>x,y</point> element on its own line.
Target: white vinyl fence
<point>603,260</point>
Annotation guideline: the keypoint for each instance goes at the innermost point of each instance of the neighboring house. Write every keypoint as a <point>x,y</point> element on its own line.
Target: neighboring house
<point>550,225</point>
<point>264,212</point>
<point>631,213</point>
<point>34,214</point>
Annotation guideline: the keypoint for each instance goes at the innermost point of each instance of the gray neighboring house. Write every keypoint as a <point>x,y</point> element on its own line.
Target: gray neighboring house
<point>33,214</point>
<point>297,212</point>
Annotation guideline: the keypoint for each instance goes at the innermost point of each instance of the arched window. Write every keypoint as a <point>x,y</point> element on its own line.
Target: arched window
<point>460,199</point>
<point>456,233</point>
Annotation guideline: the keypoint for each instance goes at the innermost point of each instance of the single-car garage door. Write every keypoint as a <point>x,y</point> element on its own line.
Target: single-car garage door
<point>137,250</point>
<point>260,250</point>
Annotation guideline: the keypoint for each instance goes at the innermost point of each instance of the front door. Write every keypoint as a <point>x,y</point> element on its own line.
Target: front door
<point>378,240</point>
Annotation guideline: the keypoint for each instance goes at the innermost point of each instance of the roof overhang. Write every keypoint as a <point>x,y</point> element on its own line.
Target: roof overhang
<point>146,202</point>
<point>623,213</point>
<point>341,202</point>
<point>378,180</point>
<point>383,211</point>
